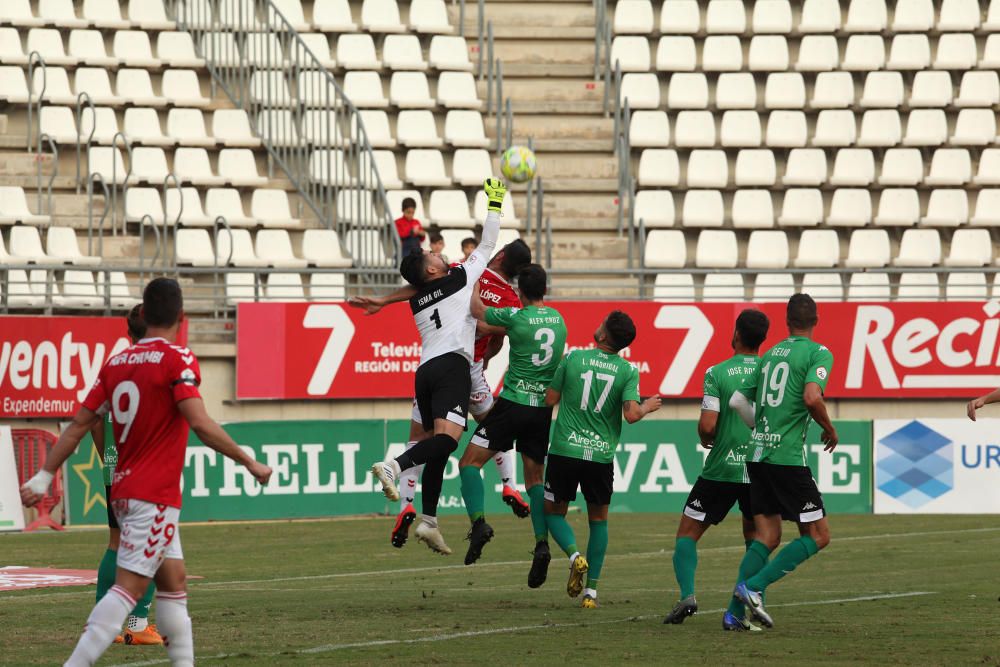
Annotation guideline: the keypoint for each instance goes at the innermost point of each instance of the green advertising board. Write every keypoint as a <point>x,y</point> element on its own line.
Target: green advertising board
<point>321,469</point>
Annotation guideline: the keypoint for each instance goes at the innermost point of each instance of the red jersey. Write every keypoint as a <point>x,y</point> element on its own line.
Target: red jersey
<point>407,228</point>
<point>495,293</point>
<point>141,387</point>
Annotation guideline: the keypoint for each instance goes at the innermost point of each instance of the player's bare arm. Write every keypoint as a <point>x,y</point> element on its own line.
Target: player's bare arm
<point>706,428</point>
<point>36,487</point>
<point>633,411</point>
<point>478,310</point>
<point>552,397</point>
<point>492,349</point>
<point>976,403</point>
<point>97,433</point>
<point>813,398</point>
<point>373,304</point>
<point>210,433</point>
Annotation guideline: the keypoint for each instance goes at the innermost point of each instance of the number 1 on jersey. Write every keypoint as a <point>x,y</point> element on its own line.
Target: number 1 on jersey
<point>436,318</point>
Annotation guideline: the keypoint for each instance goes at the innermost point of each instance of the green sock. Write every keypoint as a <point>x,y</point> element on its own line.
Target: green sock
<point>106,573</point>
<point>597,547</point>
<point>794,554</point>
<point>142,606</point>
<point>753,561</point>
<point>562,533</point>
<point>472,491</point>
<point>685,563</point>
<point>536,498</point>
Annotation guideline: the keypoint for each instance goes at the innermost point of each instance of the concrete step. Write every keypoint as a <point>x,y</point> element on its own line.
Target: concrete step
<point>550,90</point>
<point>606,224</point>
<point>577,185</point>
<point>553,69</point>
<point>534,52</point>
<point>591,250</point>
<point>576,165</point>
<point>564,145</point>
<point>607,286</point>
<point>520,13</point>
<point>543,126</point>
<point>571,206</point>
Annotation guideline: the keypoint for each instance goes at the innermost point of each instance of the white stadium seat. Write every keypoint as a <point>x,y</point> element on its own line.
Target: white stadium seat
<point>931,89</point>
<point>965,287</point>
<point>649,129</point>
<point>464,128</point>
<point>913,16</point>
<point>333,16</point>
<point>722,53</point>
<point>987,209</point>
<point>135,86</point>
<point>416,128</point>
<point>818,53</point>
<point>819,249</point>
<point>142,126</point>
<point>723,287</point>
<point>149,164</point>
<point>14,207</point>
<point>471,166</point>
<point>327,287</point>
<point>364,89</point>
<point>768,53</point>
<point>457,90</point>
<point>946,208</point>
<point>641,90</point>
<point>909,52</point>
<point>835,127</point>
<point>673,287</point>
<point>853,166</point>
<point>950,166</point>
<point>883,90</point>
<point>133,49</point>
<point>919,248</point>
<point>786,129</point>
<point>181,88</point>
<point>832,90</point>
<point>26,245</point>
<point>974,127</point>
<point>87,47</point>
<point>270,207</point>
<point>707,168</point>
<point>284,287</point>
<point>291,11</point>
<point>231,127</point>
<point>724,16</point>
<point>866,16</point>
<point>410,90</point>
<point>425,168</point>
<point>688,90</point>
<point>850,207</point>
<point>226,202</point>
<point>902,166</point>
<point>772,16</point>
<point>733,90</point>
<point>450,208</point>
<point>235,248</point>
<point>926,127</point>
<point>13,85</point>
<point>61,246</point>
<point>823,286</point>
<point>240,288</point>
<point>61,13</point>
<point>18,13</point>
<point>805,166</point>
<point>991,53</point>
<point>694,129</point>
<point>988,172</point>
<point>239,167</point>
<point>868,249</point>
<point>752,209</point>
<point>703,208</point>
<point>381,16</point>
<point>801,207</point>
<point>979,89</point>
<point>317,44</point>
<point>970,248</point>
<point>864,52</point>
<point>322,248</point>
<point>191,165</point>
<point>716,249</point>
<point>633,17</point>
<point>447,53</point>
<point>655,208</point>
<point>188,203</point>
<point>767,249</point>
<point>959,15</point>
<point>403,52</point>
<point>755,167</point>
<point>785,90</point>
<point>820,16</point>
<point>357,52</point>
<point>956,51</point>
<point>660,167</point>
<point>676,54</point>
<point>78,291</point>
<point>898,207</point>
<point>665,249</point>
<point>868,287</point>
<point>880,127</point>
<point>918,287</point>
<point>773,287</point>
<point>430,17</point>
<point>630,53</point>
<point>275,247</point>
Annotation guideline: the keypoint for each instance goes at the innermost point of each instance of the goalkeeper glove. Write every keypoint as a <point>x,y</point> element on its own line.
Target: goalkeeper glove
<point>495,191</point>
<point>40,482</point>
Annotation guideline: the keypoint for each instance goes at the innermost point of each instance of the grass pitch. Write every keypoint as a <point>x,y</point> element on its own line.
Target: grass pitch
<point>889,590</point>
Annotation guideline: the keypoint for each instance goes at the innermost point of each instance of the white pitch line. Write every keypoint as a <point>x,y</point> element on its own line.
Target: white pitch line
<point>331,648</point>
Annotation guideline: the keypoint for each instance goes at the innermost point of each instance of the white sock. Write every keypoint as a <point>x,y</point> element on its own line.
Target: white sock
<point>137,624</point>
<point>505,466</point>
<point>103,625</point>
<point>408,482</point>
<point>572,558</point>
<point>592,592</point>
<point>175,627</point>
<point>431,521</point>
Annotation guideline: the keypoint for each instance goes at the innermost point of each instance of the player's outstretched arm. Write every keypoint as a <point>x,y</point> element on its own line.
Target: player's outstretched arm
<point>373,304</point>
<point>813,398</point>
<point>478,310</point>
<point>69,440</point>
<point>475,265</point>
<point>633,411</point>
<point>744,408</point>
<point>976,403</point>
<point>210,433</point>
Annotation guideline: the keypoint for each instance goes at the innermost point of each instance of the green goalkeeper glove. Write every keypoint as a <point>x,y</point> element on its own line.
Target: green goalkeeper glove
<point>495,191</point>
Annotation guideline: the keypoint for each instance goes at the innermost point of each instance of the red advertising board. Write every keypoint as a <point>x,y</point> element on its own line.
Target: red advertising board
<point>297,350</point>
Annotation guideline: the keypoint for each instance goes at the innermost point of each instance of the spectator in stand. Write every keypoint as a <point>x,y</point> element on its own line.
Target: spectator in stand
<point>468,245</point>
<point>437,244</point>
<point>411,233</point>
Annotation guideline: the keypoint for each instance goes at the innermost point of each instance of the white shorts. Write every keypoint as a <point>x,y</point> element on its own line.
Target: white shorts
<point>480,397</point>
<point>150,534</point>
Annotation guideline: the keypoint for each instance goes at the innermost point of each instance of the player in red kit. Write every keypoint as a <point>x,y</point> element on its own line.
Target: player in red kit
<point>151,391</point>
<point>495,290</point>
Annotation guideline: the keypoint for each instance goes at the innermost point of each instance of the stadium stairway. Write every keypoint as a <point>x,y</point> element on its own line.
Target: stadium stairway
<point>547,51</point>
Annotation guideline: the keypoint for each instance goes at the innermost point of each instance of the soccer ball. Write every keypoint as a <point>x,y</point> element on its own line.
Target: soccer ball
<point>518,164</point>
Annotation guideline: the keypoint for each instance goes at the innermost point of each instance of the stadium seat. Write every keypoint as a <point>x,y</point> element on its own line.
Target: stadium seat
<point>909,52</point>
<point>723,287</point>
<point>755,167</point>
<point>49,45</point>
<point>284,287</point>
<point>722,53</point>
<point>317,44</point>
<point>991,53</point>
<point>227,203</point>
<point>868,249</point>
<point>264,50</point>
<point>61,247</point>
<point>410,90</point>
<point>358,240</point>
<point>464,128</point>
<point>457,90</point>
<point>868,287</point>
<point>992,21</point>
<point>725,17</point>
<point>187,203</point>
<point>835,127</point>
<point>850,207</point>
<point>970,248</point>
<point>181,89</point>
<point>364,89</point>
<point>269,89</point>
<point>676,54</point>
<point>18,13</point>
<point>239,168</point>
<point>819,249</point>
<point>946,208</point>
<point>931,89</point>
<point>329,167</point>
<point>898,207</point>
<point>801,208</point>
<point>357,52</point>
<point>950,166</point>
<point>767,249</point>
<point>633,17</point>
<point>642,90</point>
<point>665,249</point>
<point>319,129</point>
<point>86,47</point>
<point>919,248</point>
<point>61,13</point>
<point>974,127</point>
<point>471,166</point>
<point>649,129</point>
<point>864,53</point>
<point>104,14</point>
<point>913,16</point>
<point>133,49</point>
<point>197,14</point>
<point>56,85</point>
<point>866,16</point>
<point>107,162</point>
<point>221,48</point>
<point>241,288</point>
<point>630,53</point>
<point>58,123</point>
<point>479,210</point>
<point>703,208</point>
<point>926,127</point>
<point>669,287</point>
<point>142,126</point>
<point>102,122</point>
<point>752,209</point>
<point>902,166</point>
<point>450,208</point>
<point>448,53</point>
<point>880,127</point>
<point>654,208</point>
<point>956,51</point>
<point>785,90</point>
<point>707,168</point>
<point>231,127</point>
<point>820,16</point>
<point>425,168</point>
<point>140,202</point>
<point>26,245</point>
<point>805,166</point>
<point>823,286</point>
<point>236,14</point>
<point>416,128</point>
<point>275,247</point>
<point>988,172</point>
<point>716,249</point>
<point>987,209</point>
<point>327,287</point>
<point>96,83</point>
<point>333,16</point>
<point>818,53</point>
<point>733,90</point>
<point>768,53</point>
<point>430,17</point>
<point>786,129</point>
<point>11,52</point>
<point>853,166</point>
<point>234,247</point>
<point>271,209</point>
<point>292,12</point>
<point>918,287</point>
<point>832,90</point>
<point>883,90</point>
<point>979,89</point>
<point>403,52</point>
<point>683,17</point>
<point>322,248</point>
<point>965,287</point>
<point>176,49</point>
<point>121,297</point>
<point>773,287</point>
<point>772,16</point>
<point>79,291</point>
<point>13,85</point>
<point>191,165</point>
<point>660,167</point>
<point>28,288</point>
<point>194,247</point>
<point>959,15</point>
<point>687,91</point>
<point>149,164</point>
<point>381,16</point>
<point>694,129</point>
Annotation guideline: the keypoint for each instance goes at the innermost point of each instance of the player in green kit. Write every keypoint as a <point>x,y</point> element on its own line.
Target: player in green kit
<point>594,388</point>
<point>537,336</point>
<point>723,481</point>
<point>138,630</point>
<point>788,392</point>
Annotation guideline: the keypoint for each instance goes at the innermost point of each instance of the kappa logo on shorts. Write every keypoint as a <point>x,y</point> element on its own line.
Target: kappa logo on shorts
<point>695,503</point>
<point>807,507</point>
<point>457,408</point>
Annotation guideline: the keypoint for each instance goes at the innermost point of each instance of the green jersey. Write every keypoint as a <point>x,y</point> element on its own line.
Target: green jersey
<point>594,385</point>
<point>777,388</point>
<point>537,339</point>
<point>110,451</point>
<point>726,460</point>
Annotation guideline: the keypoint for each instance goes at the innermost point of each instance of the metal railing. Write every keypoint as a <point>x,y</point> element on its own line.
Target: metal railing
<point>46,140</point>
<point>35,60</point>
<point>309,128</point>
<point>602,37</point>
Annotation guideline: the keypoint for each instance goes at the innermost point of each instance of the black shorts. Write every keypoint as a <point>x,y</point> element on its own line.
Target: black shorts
<point>112,521</point>
<point>564,474</point>
<point>442,387</point>
<point>789,491</point>
<point>509,422</point>
<point>710,500</point>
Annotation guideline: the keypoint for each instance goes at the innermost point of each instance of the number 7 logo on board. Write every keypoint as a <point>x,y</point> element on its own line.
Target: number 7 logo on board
<point>341,334</point>
<point>688,356</point>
